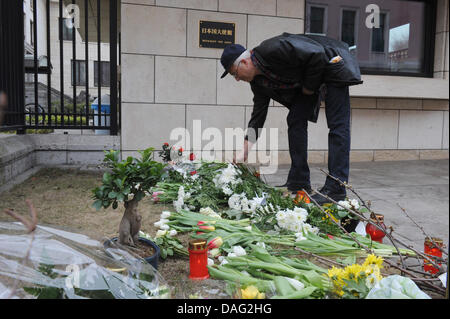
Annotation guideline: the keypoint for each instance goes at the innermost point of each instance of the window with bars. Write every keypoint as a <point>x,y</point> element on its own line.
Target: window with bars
<point>317,19</point>
<point>104,71</point>
<point>67,32</point>
<point>78,72</point>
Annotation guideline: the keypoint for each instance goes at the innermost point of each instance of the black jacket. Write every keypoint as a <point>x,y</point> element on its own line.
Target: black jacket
<point>304,59</point>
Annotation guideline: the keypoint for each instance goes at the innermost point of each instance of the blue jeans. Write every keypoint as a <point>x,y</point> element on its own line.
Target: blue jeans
<point>337,110</point>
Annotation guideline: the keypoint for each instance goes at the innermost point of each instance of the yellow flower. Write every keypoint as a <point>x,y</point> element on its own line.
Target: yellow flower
<point>251,292</point>
<point>354,271</point>
<point>334,272</point>
<point>373,260</point>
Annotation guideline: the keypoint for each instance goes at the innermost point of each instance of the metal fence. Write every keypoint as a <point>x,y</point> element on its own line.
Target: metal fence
<point>58,109</point>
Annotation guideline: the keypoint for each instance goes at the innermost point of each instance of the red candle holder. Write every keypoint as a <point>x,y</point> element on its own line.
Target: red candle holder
<point>431,249</point>
<point>198,259</point>
<point>374,232</point>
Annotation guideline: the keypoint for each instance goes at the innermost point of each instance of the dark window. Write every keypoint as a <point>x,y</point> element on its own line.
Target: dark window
<point>378,35</point>
<point>67,33</point>
<point>317,20</point>
<point>348,28</point>
<point>78,72</point>
<point>402,44</point>
<point>31,32</point>
<point>104,71</point>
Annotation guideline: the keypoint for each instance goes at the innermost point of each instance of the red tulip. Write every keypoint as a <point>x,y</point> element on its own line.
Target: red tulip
<point>166,144</point>
<point>191,156</point>
<point>201,225</point>
<point>193,172</point>
<point>215,243</point>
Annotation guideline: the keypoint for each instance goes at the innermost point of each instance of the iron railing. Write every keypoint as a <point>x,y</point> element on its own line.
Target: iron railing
<point>64,111</point>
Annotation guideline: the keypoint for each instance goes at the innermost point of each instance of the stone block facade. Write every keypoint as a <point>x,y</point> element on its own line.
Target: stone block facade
<point>170,82</point>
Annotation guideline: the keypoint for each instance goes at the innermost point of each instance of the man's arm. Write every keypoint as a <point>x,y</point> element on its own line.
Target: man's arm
<point>256,122</point>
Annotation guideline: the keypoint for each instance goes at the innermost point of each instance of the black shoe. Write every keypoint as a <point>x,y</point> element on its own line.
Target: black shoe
<point>336,196</point>
<point>285,185</point>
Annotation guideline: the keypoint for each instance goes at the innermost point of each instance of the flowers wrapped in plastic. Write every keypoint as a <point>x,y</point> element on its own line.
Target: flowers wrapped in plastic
<point>64,264</point>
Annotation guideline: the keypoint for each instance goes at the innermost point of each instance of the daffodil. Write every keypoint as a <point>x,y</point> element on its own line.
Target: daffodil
<point>251,292</point>
<point>373,260</point>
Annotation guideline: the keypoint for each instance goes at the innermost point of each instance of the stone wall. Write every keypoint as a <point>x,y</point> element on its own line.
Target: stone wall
<point>20,153</point>
<point>168,81</point>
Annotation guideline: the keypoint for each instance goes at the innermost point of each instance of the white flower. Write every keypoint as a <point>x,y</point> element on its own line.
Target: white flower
<point>344,204</point>
<point>299,237</point>
<point>224,262</point>
<point>232,255</point>
<point>164,221</point>
<point>281,215</point>
<point>157,224</point>
<point>210,262</point>
<point>239,251</point>
<point>165,214</point>
<point>173,232</point>
<point>227,190</point>
<point>164,227</point>
<point>221,258</point>
<point>161,233</point>
<point>249,228</point>
<point>209,212</point>
<point>355,203</point>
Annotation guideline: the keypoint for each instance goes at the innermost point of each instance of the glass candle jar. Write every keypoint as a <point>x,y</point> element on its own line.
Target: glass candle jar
<point>375,233</point>
<point>431,249</point>
<point>198,259</point>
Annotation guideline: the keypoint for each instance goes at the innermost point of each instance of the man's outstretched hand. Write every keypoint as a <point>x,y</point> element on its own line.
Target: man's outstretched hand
<point>242,156</point>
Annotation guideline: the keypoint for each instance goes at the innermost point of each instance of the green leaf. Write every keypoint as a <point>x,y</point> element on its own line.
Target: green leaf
<point>120,197</point>
<point>115,204</point>
<point>139,195</point>
<point>97,204</point>
<point>170,251</point>
<point>112,195</point>
<point>106,178</point>
<point>118,182</point>
<point>342,213</point>
<point>163,253</point>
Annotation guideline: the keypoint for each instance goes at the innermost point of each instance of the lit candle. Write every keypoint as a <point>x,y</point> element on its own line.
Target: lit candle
<point>374,232</point>
<point>198,259</point>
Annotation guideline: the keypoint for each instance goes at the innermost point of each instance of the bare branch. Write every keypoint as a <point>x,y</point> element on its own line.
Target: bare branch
<point>423,231</point>
<point>30,226</point>
<point>391,238</point>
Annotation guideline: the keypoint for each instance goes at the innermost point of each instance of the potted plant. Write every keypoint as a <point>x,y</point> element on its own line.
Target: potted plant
<point>127,183</point>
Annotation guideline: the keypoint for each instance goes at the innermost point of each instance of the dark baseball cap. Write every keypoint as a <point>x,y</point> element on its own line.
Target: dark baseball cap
<point>229,55</point>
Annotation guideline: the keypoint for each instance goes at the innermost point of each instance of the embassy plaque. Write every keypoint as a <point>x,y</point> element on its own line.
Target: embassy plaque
<point>216,35</point>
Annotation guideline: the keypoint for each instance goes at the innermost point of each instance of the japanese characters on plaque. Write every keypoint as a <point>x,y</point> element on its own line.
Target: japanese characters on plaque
<point>217,35</point>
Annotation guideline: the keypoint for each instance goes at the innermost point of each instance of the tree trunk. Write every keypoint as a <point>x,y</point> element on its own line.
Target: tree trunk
<point>130,224</point>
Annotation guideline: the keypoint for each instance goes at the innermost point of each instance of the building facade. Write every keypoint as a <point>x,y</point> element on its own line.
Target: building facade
<point>170,81</point>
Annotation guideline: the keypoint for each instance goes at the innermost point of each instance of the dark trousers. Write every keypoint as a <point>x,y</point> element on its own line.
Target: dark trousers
<point>337,110</point>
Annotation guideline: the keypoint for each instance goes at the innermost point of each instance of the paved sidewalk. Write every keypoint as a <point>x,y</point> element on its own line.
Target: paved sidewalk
<point>420,187</point>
